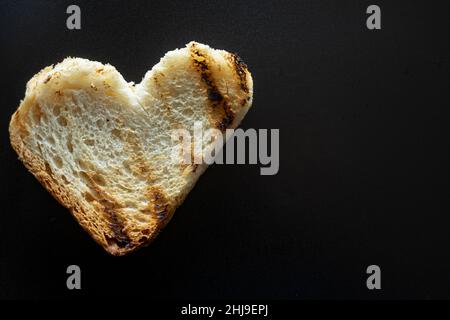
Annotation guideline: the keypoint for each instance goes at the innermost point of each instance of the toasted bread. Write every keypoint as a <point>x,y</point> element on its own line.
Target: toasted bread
<point>101,146</point>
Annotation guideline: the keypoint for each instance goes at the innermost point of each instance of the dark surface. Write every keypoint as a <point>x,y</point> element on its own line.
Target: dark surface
<point>364,174</point>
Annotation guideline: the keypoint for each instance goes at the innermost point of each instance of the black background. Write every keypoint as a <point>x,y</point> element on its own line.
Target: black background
<point>364,172</point>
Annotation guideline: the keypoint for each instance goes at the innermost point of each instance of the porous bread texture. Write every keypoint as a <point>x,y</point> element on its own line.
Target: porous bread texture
<point>102,146</point>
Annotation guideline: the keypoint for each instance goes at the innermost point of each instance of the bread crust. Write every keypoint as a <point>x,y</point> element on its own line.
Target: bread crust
<point>102,221</point>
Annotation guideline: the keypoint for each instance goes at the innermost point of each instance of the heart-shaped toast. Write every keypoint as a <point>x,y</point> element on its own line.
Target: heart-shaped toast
<point>103,147</point>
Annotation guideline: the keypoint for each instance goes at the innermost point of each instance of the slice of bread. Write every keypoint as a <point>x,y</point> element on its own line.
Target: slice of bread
<point>102,147</point>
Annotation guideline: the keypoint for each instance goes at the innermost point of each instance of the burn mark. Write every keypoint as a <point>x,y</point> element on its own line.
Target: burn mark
<point>241,70</point>
<point>159,205</point>
<point>214,95</point>
<point>49,77</point>
<point>199,60</point>
<point>116,225</point>
<point>110,209</point>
